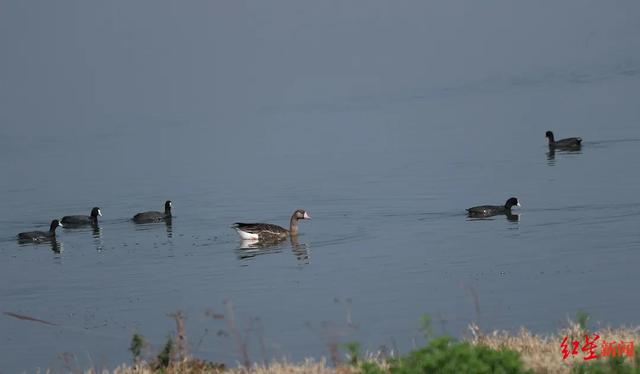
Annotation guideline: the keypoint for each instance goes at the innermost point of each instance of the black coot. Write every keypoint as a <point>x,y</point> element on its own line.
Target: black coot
<point>563,143</point>
<point>154,216</point>
<point>36,236</point>
<point>81,220</point>
<point>492,210</point>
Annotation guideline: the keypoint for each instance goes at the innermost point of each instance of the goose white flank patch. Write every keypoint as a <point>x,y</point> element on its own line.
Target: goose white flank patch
<point>244,235</point>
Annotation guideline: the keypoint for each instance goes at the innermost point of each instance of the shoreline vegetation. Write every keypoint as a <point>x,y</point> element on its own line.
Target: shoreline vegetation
<point>479,352</point>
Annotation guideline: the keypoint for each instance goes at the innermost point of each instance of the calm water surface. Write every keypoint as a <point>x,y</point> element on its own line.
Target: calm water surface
<point>386,177</point>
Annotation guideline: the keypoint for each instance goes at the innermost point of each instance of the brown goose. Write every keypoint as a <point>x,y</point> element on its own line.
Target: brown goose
<point>563,143</point>
<point>267,231</point>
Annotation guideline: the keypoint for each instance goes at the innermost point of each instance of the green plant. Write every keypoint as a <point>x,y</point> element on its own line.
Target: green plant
<point>371,368</point>
<point>353,352</point>
<point>425,326</point>
<point>137,344</point>
<point>164,357</point>
<point>443,355</point>
<point>582,318</point>
<point>612,365</point>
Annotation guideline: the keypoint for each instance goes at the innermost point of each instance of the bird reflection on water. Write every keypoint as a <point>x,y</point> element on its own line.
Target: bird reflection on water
<point>249,249</point>
<point>96,232</point>
<point>97,238</point>
<point>511,217</point>
<point>551,154</point>
<point>169,226</point>
<point>168,223</point>
<point>300,250</point>
<point>54,244</point>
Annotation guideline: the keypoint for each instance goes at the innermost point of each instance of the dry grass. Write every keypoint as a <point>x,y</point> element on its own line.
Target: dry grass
<point>542,353</point>
<point>308,366</point>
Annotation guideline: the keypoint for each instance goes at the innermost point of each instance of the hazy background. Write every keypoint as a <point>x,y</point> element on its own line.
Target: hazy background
<point>383,119</point>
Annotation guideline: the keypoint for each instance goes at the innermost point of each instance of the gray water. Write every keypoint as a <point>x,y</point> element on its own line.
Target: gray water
<point>384,121</point>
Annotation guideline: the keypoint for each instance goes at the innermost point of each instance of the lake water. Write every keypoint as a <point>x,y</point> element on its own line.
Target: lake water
<point>386,170</point>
